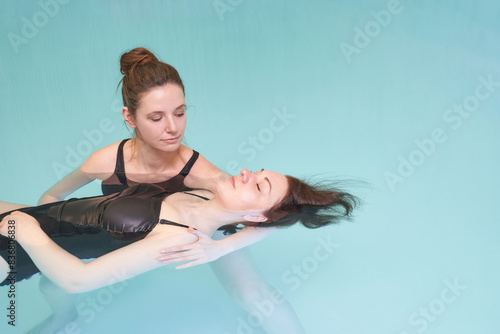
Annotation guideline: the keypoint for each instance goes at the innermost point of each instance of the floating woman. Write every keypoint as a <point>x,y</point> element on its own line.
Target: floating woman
<point>150,218</point>
<point>155,107</point>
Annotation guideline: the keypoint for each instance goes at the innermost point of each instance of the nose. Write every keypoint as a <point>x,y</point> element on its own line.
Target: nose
<point>246,175</point>
<point>170,126</point>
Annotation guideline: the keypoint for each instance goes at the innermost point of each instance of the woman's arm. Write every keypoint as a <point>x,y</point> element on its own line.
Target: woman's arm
<point>204,175</point>
<point>74,275</point>
<point>100,165</point>
<point>239,276</point>
<point>206,250</point>
<point>66,186</point>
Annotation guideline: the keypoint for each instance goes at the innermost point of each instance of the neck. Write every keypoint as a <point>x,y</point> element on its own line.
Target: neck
<point>204,215</point>
<point>152,159</point>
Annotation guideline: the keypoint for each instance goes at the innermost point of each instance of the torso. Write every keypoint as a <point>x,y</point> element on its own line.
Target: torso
<point>171,180</point>
<point>127,175</point>
<point>173,205</point>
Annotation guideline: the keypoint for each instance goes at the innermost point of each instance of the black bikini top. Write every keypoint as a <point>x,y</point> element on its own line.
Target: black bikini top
<point>119,182</point>
<point>129,215</point>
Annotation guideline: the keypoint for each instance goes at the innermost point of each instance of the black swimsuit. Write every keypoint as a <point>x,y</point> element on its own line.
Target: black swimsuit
<point>93,226</point>
<point>119,181</point>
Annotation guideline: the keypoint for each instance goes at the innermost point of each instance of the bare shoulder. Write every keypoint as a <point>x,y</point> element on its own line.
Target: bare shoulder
<point>202,165</point>
<point>205,168</point>
<point>204,174</point>
<point>101,163</point>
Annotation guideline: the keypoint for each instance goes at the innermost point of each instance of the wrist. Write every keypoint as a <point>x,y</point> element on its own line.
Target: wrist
<point>226,246</point>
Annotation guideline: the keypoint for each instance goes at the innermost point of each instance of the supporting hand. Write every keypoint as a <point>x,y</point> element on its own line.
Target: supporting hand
<point>201,251</point>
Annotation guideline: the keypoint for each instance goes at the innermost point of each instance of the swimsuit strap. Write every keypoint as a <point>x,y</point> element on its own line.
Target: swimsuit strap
<point>169,222</point>
<point>202,197</point>
<point>187,168</point>
<point>120,164</point>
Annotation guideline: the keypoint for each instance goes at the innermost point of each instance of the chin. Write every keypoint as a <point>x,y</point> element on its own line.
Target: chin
<point>169,147</point>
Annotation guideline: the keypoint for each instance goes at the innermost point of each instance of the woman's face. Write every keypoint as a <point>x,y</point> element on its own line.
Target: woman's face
<point>252,193</point>
<point>160,119</point>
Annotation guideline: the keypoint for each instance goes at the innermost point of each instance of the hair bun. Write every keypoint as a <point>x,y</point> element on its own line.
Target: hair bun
<point>137,56</point>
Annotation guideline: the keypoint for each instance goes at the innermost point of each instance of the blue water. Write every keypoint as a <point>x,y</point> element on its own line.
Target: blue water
<point>404,95</point>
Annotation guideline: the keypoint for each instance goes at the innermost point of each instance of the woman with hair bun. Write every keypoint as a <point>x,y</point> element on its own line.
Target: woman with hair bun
<point>148,212</point>
<point>155,107</point>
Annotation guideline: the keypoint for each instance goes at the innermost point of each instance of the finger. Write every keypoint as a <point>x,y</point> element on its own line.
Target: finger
<point>178,255</point>
<point>177,249</point>
<point>181,259</point>
<point>199,234</point>
<point>190,264</point>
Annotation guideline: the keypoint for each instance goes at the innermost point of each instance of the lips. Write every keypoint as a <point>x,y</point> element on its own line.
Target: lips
<point>170,140</point>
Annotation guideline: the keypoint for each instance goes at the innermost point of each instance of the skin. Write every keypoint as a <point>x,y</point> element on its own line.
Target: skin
<point>148,159</point>
<point>159,122</point>
<point>223,207</point>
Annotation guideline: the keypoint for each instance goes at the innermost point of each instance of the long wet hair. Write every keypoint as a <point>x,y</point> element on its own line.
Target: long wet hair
<point>313,205</point>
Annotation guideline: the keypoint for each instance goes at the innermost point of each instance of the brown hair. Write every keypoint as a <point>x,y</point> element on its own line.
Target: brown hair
<point>314,205</point>
<point>142,71</point>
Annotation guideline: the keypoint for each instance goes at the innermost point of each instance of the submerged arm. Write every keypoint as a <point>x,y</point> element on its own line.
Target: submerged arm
<point>100,165</point>
<point>246,237</point>
<point>66,186</point>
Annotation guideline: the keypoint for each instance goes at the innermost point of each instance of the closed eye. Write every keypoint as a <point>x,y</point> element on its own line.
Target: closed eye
<point>268,181</point>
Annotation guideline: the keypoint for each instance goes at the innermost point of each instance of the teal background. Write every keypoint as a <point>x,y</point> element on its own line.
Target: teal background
<point>349,116</point>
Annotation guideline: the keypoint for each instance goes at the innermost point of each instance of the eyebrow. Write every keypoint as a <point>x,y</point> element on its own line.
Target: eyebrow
<point>268,181</point>
<point>182,106</point>
<point>270,187</point>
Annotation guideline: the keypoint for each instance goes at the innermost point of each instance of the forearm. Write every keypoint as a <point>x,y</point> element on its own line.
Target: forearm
<point>47,198</point>
<point>66,186</point>
<point>74,275</point>
<point>240,277</point>
<point>59,266</point>
<point>6,206</point>
<point>247,236</point>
